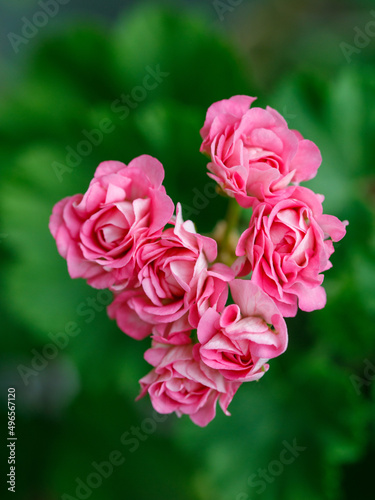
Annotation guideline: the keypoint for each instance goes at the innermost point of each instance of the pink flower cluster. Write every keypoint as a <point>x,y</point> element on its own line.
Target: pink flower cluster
<point>122,234</point>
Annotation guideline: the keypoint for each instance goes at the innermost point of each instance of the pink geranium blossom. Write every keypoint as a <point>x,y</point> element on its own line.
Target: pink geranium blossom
<point>254,155</point>
<point>98,233</point>
<point>170,269</point>
<point>183,384</point>
<point>287,246</point>
<point>244,336</point>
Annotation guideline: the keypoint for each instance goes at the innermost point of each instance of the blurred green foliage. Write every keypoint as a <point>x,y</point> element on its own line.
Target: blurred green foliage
<point>76,410</point>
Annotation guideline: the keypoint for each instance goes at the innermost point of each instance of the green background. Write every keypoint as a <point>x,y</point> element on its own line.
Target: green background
<point>78,409</point>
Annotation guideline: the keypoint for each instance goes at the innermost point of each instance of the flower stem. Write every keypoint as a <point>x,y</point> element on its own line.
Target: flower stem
<point>226,242</point>
<point>232,218</point>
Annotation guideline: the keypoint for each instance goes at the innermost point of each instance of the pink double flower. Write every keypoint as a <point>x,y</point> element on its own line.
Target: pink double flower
<point>254,155</point>
<point>100,232</point>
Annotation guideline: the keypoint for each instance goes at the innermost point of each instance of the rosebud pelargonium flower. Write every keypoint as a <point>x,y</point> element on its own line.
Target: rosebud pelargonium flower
<point>98,233</point>
<point>254,155</point>
<point>170,268</point>
<point>240,340</point>
<point>286,248</point>
<point>183,384</point>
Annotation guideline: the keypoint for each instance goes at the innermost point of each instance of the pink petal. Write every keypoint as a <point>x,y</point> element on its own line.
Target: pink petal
<point>306,161</point>
<point>151,167</point>
<point>108,167</point>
